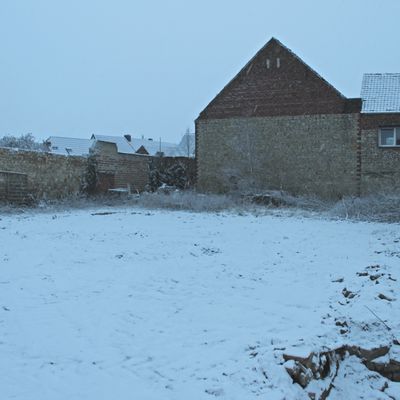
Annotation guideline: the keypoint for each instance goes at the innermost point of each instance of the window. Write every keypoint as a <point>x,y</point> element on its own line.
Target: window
<point>389,137</point>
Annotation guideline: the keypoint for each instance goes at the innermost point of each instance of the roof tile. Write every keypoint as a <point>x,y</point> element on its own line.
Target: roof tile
<point>381,93</point>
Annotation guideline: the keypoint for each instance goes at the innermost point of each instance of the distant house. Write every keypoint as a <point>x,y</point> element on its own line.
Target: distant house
<point>123,161</point>
<point>122,144</point>
<point>68,146</point>
<point>154,147</point>
<point>128,145</point>
<point>125,145</point>
<point>279,125</point>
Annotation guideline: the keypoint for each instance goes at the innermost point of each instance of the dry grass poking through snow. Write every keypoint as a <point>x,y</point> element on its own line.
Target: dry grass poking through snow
<point>377,208</point>
<point>384,207</point>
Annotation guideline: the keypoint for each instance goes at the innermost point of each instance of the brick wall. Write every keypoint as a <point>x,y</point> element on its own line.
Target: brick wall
<point>380,166</point>
<point>309,154</point>
<point>48,175</point>
<point>121,170</point>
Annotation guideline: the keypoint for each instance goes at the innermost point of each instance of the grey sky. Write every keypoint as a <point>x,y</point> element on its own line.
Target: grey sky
<point>77,67</point>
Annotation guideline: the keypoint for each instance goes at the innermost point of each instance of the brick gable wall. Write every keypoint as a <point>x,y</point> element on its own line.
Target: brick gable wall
<point>287,87</point>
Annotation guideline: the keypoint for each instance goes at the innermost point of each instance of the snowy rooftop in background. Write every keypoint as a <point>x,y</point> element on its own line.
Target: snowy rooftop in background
<point>69,146</point>
<point>123,146</point>
<point>381,93</point>
<point>153,147</point>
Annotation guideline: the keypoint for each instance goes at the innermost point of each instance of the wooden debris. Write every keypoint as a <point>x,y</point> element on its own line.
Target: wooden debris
<point>325,366</point>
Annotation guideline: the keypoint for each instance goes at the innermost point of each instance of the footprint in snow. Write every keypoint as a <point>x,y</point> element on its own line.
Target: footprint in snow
<point>209,251</point>
<point>215,392</point>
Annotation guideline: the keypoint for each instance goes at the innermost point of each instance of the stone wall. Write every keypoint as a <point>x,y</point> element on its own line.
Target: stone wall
<point>48,175</point>
<point>118,170</point>
<point>309,154</point>
<point>31,175</point>
<point>380,166</point>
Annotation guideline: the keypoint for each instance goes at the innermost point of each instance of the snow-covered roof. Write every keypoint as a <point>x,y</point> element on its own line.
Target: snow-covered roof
<point>80,147</point>
<point>155,146</point>
<point>69,146</point>
<point>123,146</point>
<point>132,146</point>
<point>380,93</point>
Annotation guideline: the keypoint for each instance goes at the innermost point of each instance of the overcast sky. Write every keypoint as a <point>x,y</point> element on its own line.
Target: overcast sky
<point>77,67</point>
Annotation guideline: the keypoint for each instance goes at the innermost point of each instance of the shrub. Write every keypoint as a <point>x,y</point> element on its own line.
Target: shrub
<point>379,207</point>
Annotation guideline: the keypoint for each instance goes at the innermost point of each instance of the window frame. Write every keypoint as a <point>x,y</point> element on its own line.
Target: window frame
<point>396,136</point>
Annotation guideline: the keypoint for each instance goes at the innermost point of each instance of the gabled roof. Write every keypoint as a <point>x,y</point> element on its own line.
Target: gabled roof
<point>142,150</point>
<point>69,146</point>
<point>81,147</point>
<point>154,146</point>
<point>123,146</point>
<point>277,82</point>
<point>294,55</point>
<point>381,93</point>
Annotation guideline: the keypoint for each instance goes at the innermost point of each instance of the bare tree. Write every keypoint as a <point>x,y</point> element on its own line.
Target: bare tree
<point>25,142</point>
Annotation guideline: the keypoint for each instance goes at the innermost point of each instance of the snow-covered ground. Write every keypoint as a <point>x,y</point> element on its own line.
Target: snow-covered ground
<point>138,304</point>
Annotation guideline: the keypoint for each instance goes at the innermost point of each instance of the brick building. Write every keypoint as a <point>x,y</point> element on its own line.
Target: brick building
<point>118,169</point>
<point>279,125</point>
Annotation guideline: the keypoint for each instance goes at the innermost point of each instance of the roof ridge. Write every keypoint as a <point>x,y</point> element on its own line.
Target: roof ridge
<point>68,137</point>
<point>381,73</point>
<point>249,63</point>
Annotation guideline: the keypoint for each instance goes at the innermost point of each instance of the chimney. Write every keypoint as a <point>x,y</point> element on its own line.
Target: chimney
<point>128,138</point>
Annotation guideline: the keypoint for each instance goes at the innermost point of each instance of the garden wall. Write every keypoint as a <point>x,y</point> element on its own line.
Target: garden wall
<point>48,176</point>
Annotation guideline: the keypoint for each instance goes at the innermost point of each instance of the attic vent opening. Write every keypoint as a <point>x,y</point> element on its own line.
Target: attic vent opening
<point>268,63</point>
<point>278,62</point>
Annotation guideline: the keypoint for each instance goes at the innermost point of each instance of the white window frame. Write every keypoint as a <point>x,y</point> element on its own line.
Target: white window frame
<point>396,133</point>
